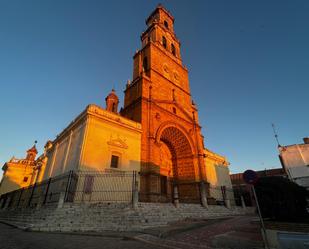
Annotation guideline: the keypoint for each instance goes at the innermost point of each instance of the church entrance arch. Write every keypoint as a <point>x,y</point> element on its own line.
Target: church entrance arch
<point>180,157</point>
<point>177,164</point>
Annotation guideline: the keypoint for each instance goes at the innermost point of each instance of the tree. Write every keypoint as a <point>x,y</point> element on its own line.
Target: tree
<point>282,200</point>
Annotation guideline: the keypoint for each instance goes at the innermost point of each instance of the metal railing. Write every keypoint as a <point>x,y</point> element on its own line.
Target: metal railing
<point>74,186</point>
<point>45,192</point>
<point>88,186</point>
<point>115,186</point>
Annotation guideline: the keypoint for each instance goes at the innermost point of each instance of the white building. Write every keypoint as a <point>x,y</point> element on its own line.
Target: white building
<point>295,160</point>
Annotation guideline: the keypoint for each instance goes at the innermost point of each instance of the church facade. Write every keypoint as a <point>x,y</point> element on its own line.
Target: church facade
<point>156,133</point>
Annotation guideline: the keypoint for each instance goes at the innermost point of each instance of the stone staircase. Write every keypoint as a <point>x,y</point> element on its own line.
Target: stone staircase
<point>110,217</point>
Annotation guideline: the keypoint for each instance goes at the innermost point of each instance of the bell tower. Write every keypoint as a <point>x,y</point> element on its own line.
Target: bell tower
<point>158,66</point>
<point>112,102</point>
<point>159,98</point>
<point>32,152</point>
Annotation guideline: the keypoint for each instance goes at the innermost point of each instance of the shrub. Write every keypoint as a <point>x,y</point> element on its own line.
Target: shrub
<point>282,200</point>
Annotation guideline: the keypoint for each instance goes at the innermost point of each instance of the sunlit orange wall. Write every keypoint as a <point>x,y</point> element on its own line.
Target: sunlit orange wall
<point>13,177</point>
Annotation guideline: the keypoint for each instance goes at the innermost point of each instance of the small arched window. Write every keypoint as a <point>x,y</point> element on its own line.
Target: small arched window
<point>173,50</point>
<point>164,43</point>
<point>166,24</point>
<point>145,64</point>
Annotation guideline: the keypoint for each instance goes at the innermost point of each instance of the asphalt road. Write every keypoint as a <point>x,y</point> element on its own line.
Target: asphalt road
<point>13,238</point>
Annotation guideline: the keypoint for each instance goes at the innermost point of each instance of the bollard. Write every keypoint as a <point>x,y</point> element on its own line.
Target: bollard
<point>61,200</point>
<point>243,204</point>
<point>227,203</point>
<point>176,196</point>
<point>203,194</point>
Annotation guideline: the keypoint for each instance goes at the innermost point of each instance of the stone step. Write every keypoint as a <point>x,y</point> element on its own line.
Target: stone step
<point>102,217</point>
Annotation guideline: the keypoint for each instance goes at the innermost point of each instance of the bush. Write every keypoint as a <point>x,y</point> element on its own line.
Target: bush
<point>282,200</point>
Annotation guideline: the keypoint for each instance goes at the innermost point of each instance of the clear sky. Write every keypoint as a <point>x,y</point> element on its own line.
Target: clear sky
<point>248,66</point>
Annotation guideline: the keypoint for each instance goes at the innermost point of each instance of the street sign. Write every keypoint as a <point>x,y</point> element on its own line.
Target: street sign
<point>250,176</point>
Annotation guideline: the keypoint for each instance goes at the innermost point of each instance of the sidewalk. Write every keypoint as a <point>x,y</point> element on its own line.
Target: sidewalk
<point>233,232</point>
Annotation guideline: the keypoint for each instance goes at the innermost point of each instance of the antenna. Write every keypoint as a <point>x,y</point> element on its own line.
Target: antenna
<point>275,134</point>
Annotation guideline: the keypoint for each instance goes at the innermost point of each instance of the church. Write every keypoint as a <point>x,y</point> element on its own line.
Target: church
<point>156,133</point>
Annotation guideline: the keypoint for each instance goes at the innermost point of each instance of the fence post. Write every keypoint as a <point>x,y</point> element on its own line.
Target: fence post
<point>1,201</point>
<point>203,194</point>
<point>7,201</point>
<point>32,192</point>
<point>135,191</point>
<point>175,195</point>
<point>21,193</point>
<point>68,186</point>
<point>46,192</point>
<point>63,194</point>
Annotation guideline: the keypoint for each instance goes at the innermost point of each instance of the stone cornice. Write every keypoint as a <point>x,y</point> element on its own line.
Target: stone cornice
<point>100,113</point>
<point>216,157</point>
<point>114,118</point>
<point>175,103</point>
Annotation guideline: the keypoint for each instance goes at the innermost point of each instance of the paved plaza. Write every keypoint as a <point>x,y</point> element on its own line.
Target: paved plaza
<point>233,232</point>
<point>13,238</point>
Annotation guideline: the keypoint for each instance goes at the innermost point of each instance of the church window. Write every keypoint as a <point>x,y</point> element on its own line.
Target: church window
<point>164,42</point>
<point>25,179</point>
<point>166,24</point>
<point>174,110</point>
<point>114,161</point>
<point>173,50</point>
<point>145,64</point>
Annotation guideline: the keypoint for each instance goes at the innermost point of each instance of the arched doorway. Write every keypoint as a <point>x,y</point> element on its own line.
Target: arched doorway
<point>177,165</point>
<point>181,153</point>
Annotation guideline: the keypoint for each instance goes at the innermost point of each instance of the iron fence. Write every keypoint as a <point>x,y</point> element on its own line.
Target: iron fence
<point>75,186</point>
<point>115,186</point>
<point>45,192</point>
<point>89,186</point>
<point>159,188</point>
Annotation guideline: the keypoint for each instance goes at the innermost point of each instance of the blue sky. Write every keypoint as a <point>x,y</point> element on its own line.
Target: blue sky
<point>248,66</point>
